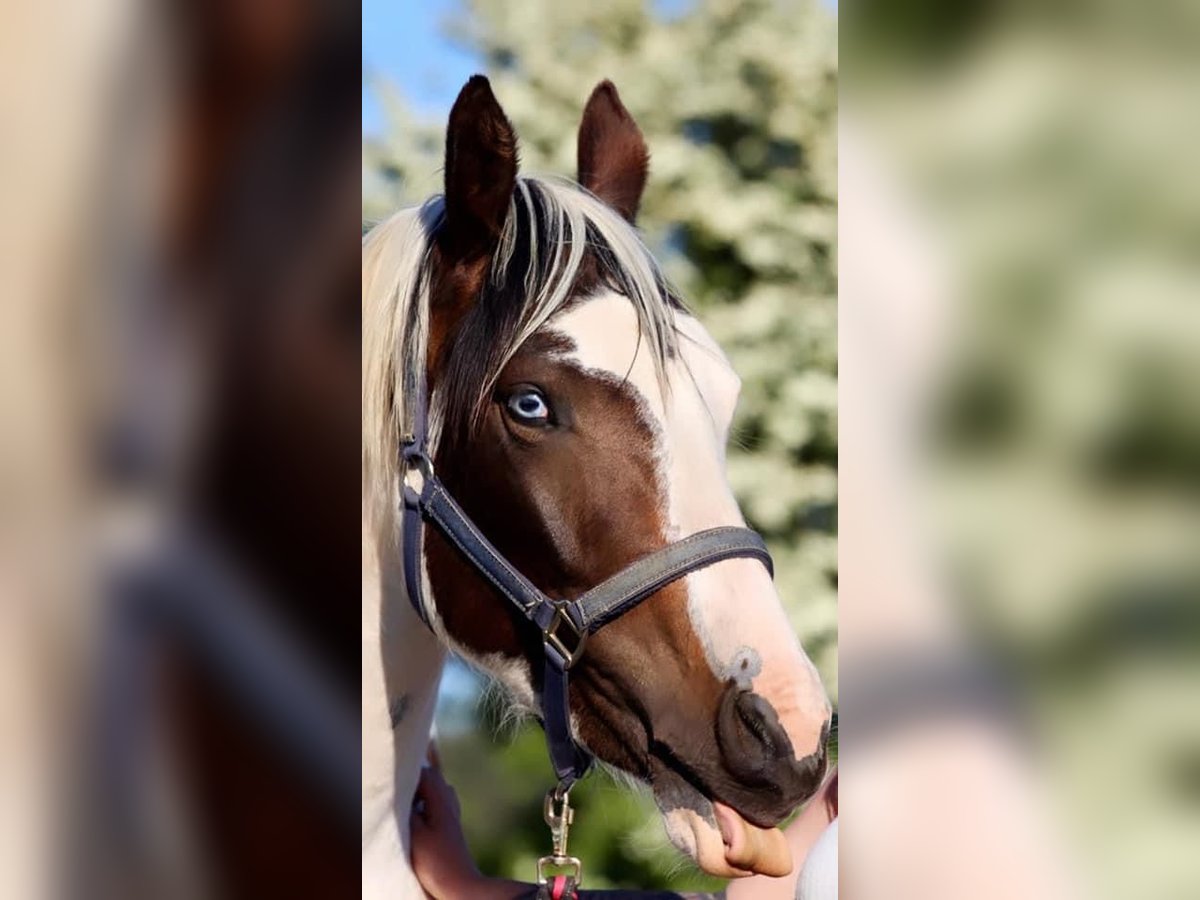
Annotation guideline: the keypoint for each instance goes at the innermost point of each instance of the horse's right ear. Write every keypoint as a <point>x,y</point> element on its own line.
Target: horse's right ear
<point>481,172</point>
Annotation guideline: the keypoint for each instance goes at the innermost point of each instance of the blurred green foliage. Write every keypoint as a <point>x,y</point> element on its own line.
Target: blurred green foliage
<point>502,774</point>
<point>738,102</point>
<point>1055,158</point>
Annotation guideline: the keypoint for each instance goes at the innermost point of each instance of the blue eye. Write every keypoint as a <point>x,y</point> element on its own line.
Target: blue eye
<point>529,408</point>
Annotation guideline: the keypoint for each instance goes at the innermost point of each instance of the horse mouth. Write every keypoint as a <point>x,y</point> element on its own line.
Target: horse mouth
<point>750,849</point>
<point>722,841</point>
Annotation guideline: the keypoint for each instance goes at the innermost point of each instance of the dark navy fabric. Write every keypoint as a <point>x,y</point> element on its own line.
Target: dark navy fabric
<point>633,584</point>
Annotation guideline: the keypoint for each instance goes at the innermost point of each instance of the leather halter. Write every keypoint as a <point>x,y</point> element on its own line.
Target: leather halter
<point>565,624</point>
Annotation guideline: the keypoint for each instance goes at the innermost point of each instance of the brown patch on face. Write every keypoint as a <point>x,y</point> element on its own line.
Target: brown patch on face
<point>454,294</point>
<point>570,505</point>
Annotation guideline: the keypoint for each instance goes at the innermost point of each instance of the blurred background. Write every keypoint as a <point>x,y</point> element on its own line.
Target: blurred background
<point>738,103</point>
<point>1025,213</point>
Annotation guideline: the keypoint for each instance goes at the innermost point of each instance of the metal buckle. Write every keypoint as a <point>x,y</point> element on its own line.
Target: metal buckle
<point>564,865</point>
<point>551,638</point>
<point>559,816</point>
<point>417,461</point>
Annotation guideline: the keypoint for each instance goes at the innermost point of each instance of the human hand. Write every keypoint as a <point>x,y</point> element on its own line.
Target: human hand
<point>441,859</point>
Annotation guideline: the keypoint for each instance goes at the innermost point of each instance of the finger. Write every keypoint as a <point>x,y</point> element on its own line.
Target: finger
<point>433,756</point>
<point>444,792</point>
<point>423,798</point>
<point>438,797</point>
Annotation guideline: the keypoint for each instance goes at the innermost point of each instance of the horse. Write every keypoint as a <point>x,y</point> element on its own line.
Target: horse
<point>578,412</point>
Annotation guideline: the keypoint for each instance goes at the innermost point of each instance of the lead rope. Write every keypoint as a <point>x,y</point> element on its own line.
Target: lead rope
<point>564,883</point>
<point>560,887</point>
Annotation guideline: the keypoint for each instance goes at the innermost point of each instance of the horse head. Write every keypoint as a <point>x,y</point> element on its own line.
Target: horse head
<point>579,416</point>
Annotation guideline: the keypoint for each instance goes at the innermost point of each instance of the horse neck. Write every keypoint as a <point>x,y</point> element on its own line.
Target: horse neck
<point>401,668</point>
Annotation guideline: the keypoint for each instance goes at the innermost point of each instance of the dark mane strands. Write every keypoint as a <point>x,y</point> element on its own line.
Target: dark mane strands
<point>535,260</point>
<point>559,243</point>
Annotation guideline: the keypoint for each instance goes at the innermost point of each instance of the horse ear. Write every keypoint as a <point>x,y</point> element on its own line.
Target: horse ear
<point>613,159</point>
<point>481,171</point>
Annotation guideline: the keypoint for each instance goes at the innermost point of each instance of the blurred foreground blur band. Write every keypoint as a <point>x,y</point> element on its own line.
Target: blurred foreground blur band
<point>1019,476</point>
<point>180,364</point>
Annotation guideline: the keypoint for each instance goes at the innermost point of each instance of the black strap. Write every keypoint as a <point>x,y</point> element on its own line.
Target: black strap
<point>629,587</point>
<point>583,616</point>
<point>569,760</point>
<point>413,456</point>
<point>565,625</point>
<point>441,509</point>
<point>412,550</point>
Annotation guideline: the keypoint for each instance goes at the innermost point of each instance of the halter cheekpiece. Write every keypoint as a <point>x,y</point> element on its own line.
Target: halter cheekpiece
<point>565,625</point>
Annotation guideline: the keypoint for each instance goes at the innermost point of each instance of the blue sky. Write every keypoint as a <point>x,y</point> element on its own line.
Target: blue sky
<point>403,40</point>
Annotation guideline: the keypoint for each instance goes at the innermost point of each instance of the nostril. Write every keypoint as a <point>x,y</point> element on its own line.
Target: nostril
<point>751,738</point>
<point>757,715</point>
<point>762,776</point>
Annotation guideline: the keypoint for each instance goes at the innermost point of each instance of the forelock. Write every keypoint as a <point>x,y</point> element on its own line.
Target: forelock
<point>558,242</point>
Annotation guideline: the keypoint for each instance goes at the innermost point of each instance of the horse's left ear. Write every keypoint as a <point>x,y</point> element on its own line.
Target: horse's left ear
<point>613,158</point>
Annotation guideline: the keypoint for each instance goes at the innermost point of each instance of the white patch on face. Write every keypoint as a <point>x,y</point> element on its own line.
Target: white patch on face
<point>733,605</point>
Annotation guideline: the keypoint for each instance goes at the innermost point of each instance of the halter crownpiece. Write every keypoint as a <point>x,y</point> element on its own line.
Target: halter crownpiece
<point>565,624</point>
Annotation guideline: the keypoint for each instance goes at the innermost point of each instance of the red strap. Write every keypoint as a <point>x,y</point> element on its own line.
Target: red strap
<point>559,887</point>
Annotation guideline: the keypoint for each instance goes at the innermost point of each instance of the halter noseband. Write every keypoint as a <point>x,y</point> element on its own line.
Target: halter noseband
<point>565,624</point>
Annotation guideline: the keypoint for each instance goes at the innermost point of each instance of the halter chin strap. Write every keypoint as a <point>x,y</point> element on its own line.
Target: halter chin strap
<point>565,624</point>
